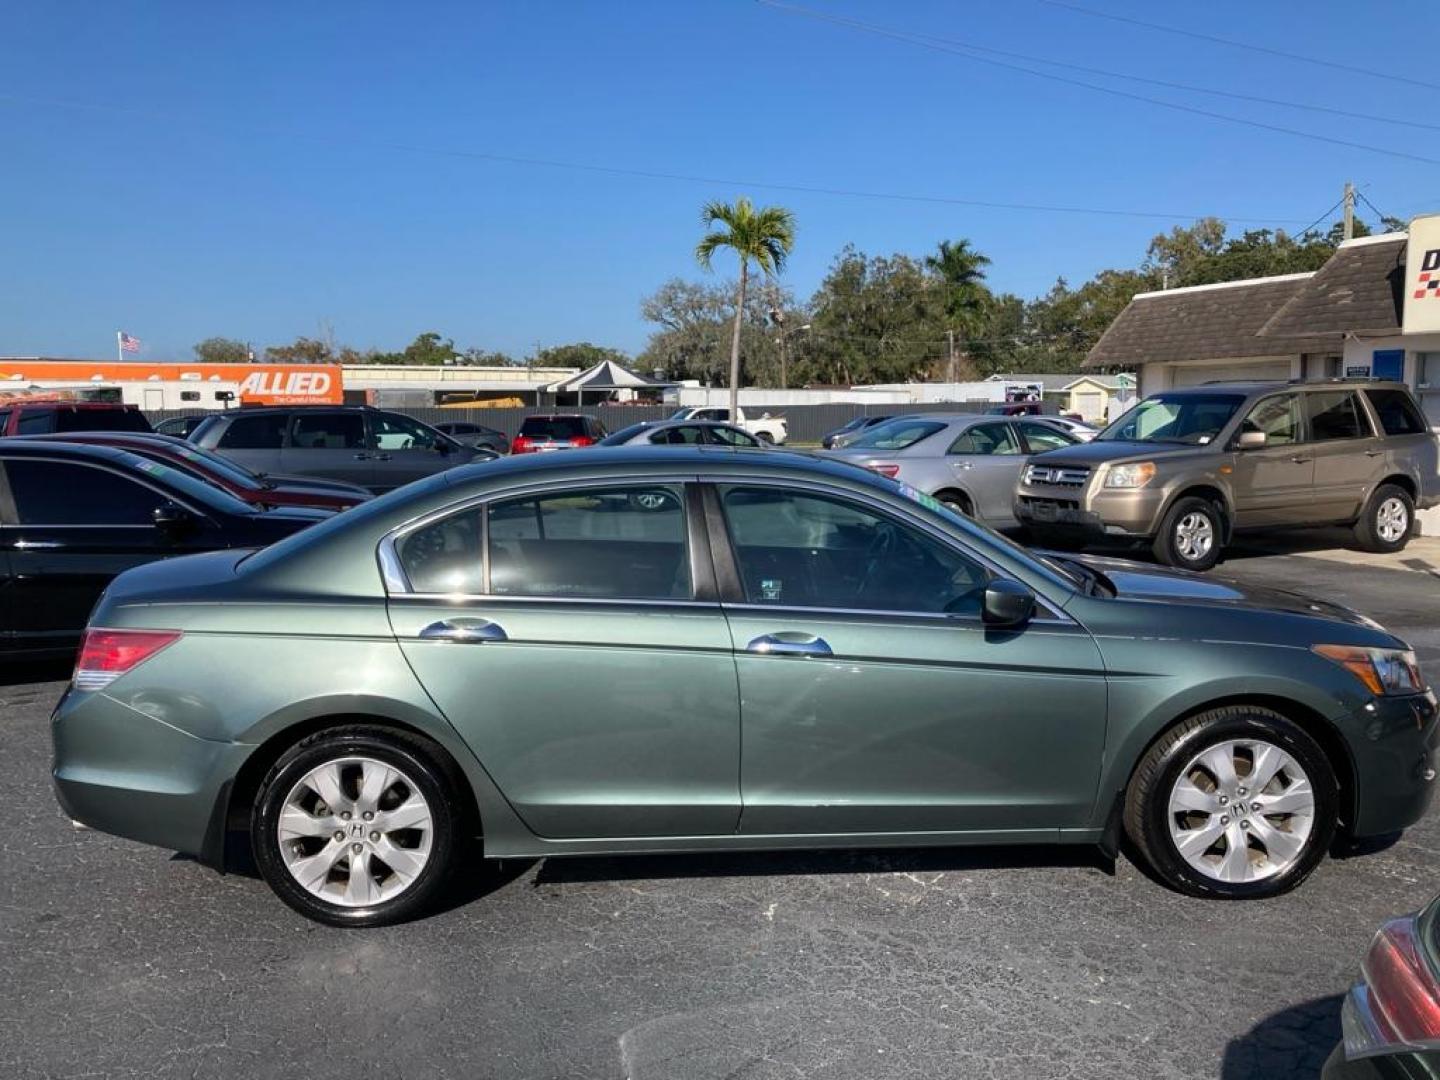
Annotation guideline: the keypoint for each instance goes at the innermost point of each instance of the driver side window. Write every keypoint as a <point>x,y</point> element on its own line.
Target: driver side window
<point>1278,418</point>
<point>794,549</point>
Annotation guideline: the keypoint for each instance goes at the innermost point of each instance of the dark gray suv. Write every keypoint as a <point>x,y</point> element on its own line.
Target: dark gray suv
<point>1186,468</point>
<point>376,449</point>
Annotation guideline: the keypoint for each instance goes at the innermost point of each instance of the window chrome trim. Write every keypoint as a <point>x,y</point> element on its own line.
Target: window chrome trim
<point>509,599</point>
<point>1052,616</point>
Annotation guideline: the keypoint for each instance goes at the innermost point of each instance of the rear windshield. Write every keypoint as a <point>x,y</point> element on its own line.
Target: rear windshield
<point>896,435</point>
<point>100,420</point>
<point>553,427</point>
<point>624,435</point>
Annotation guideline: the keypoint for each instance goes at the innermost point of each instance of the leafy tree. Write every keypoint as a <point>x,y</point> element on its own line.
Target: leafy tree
<point>220,350</point>
<point>482,358</point>
<point>694,320</point>
<point>961,270</point>
<point>765,236</point>
<point>303,350</point>
<point>580,355</point>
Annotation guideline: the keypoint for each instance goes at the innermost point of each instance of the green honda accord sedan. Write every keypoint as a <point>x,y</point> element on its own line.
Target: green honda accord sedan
<point>694,650</point>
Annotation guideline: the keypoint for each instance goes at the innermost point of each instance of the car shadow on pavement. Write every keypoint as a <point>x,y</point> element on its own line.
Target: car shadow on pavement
<point>840,861</point>
<point>1289,1045</point>
<point>21,673</point>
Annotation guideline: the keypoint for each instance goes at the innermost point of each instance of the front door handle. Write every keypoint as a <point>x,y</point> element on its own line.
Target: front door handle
<point>37,545</point>
<point>789,643</point>
<point>1373,453</point>
<point>964,464</point>
<point>382,457</point>
<point>466,631</point>
<point>1300,460</point>
<point>362,457</point>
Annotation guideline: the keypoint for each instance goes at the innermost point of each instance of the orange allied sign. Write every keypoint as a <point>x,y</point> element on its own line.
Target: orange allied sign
<point>260,384</point>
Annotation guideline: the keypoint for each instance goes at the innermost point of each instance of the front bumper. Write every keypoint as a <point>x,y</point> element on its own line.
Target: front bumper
<point>1394,741</point>
<point>1120,513</point>
<point>121,771</point>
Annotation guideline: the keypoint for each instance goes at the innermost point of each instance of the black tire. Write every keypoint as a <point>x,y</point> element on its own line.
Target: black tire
<point>765,437</point>
<point>1372,523</point>
<point>1147,799</point>
<point>1170,547</point>
<point>958,502</point>
<point>433,774</point>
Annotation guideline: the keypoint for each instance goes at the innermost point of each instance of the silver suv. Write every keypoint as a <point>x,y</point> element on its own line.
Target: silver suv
<point>1185,469</point>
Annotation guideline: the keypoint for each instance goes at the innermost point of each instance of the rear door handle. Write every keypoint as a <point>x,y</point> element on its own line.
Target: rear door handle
<point>1373,453</point>
<point>789,643</point>
<point>964,464</point>
<point>362,457</point>
<point>382,457</point>
<point>37,545</point>
<point>465,631</point>
<point>1300,460</point>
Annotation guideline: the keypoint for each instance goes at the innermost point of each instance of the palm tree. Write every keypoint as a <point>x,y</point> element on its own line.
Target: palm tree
<point>961,270</point>
<point>766,236</point>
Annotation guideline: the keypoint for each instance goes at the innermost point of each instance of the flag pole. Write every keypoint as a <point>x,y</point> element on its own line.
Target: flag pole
<point>119,354</point>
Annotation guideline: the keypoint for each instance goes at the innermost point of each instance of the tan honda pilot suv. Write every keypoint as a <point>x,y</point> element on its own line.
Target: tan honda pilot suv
<point>1185,469</point>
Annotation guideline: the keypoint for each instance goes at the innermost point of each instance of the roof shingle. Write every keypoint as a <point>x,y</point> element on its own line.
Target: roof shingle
<point>1358,289</point>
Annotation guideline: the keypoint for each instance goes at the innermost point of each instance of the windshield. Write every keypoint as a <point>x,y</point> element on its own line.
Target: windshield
<point>896,435</point>
<point>1182,418</point>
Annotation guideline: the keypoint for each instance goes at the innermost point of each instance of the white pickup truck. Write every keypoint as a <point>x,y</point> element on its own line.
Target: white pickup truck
<point>766,428</point>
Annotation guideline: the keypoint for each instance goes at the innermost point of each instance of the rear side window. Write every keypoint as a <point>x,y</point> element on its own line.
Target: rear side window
<point>1040,437</point>
<point>986,439</point>
<point>329,431</point>
<point>621,543</point>
<point>1398,414</point>
<point>445,557</point>
<point>1334,414</point>
<point>687,435</point>
<point>553,427</point>
<point>101,420</point>
<point>729,436</point>
<point>897,435</point>
<point>62,493</point>
<point>265,431</point>
<point>35,422</point>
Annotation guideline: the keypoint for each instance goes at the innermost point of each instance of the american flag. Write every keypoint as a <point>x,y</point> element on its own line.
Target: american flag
<point>128,343</point>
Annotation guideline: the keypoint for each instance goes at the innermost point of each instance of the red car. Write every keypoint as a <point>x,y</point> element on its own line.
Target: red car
<point>36,415</point>
<point>255,488</point>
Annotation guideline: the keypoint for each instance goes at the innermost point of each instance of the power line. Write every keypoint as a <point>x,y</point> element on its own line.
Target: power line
<point>930,43</point>
<point>1187,87</point>
<point>651,174</point>
<point>1297,57</point>
<point>1378,212</point>
<point>1322,217</point>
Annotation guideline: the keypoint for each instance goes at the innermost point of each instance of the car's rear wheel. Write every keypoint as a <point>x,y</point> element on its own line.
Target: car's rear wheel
<point>357,826</point>
<point>1387,520</point>
<point>957,501</point>
<point>1235,803</point>
<point>765,437</point>
<point>1191,535</point>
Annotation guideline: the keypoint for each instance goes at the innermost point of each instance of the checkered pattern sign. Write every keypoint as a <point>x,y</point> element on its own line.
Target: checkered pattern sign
<point>1429,285</point>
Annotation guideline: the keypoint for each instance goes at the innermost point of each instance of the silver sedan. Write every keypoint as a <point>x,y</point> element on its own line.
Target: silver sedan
<point>969,462</point>
<point>683,433</point>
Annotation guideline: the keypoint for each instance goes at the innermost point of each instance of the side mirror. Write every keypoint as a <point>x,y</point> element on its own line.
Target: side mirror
<point>1008,604</point>
<point>1250,440</point>
<point>172,518</point>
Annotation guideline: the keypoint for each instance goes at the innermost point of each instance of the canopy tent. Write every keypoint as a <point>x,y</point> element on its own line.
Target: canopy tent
<point>605,377</point>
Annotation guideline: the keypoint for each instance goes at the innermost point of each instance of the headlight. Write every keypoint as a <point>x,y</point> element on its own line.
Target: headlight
<point>1130,476</point>
<point>1383,671</point>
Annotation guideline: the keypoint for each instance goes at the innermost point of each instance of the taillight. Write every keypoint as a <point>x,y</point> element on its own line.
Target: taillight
<point>1397,1006</point>
<point>582,440</point>
<point>520,445</point>
<point>891,471</point>
<point>105,655</point>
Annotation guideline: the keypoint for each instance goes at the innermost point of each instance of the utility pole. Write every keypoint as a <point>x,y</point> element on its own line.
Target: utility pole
<point>1349,210</point>
<point>950,335</point>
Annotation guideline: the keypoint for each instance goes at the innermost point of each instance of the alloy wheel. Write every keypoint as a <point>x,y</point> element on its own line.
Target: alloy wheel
<point>1241,811</point>
<point>355,831</point>
<point>1194,536</point>
<point>1392,520</point>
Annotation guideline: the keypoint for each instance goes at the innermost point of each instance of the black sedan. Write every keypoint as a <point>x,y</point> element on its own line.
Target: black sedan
<point>73,516</point>
<point>477,435</point>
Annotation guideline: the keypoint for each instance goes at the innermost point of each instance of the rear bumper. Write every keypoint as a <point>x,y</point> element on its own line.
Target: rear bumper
<point>1394,743</point>
<point>124,772</point>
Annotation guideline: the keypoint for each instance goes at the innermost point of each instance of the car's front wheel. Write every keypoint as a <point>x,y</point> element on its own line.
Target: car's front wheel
<point>1235,803</point>
<point>1191,535</point>
<point>357,826</point>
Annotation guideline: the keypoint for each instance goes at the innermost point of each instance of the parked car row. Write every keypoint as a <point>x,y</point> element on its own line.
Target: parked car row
<point>1183,471</point>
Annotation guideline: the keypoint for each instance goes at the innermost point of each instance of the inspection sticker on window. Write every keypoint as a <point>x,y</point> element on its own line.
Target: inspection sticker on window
<point>770,588</point>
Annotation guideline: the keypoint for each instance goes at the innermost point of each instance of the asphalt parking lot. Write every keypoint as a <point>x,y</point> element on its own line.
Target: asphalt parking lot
<point>118,960</point>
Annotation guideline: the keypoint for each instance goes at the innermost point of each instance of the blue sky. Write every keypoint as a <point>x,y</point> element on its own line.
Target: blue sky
<point>183,170</point>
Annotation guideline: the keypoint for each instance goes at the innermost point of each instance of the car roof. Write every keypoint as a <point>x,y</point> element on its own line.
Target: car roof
<point>143,438</point>
<point>27,446</point>
<point>1270,386</point>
